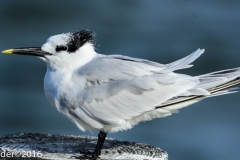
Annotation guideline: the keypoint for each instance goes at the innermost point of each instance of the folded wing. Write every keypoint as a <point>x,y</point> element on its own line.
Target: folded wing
<point>119,89</point>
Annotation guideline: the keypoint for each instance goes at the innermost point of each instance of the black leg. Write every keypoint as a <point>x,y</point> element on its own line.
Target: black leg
<point>101,138</point>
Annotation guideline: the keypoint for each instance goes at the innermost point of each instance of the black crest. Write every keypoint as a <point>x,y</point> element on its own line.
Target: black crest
<point>79,38</point>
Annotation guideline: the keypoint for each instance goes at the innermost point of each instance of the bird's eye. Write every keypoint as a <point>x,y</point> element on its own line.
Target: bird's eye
<point>61,48</point>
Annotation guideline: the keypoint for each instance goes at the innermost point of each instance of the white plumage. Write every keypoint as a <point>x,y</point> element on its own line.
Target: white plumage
<point>112,93</point>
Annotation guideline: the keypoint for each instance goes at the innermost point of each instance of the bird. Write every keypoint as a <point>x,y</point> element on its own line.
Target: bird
<point>111,93</point>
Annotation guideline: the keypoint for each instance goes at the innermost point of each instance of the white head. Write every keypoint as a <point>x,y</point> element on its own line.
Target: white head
<point>63,51</point>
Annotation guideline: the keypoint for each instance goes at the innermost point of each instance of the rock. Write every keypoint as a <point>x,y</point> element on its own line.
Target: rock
<point>45,146</point>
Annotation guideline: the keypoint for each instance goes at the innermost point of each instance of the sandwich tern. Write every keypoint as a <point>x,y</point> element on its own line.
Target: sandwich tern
<point>115,92</point>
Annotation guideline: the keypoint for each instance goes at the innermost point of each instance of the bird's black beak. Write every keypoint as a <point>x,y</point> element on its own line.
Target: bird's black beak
<point>36,51</point>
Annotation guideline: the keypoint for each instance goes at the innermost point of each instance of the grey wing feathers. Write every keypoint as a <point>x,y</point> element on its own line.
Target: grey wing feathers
<point>119,88</point>
<point>123,91</point>
<point>117,67</point>
<point>184,62</point>
<point>126,58</point>
<point>119,72</point>
<point>103,68</point>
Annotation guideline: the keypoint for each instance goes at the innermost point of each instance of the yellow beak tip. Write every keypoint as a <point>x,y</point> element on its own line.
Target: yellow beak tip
<point>8,51</point>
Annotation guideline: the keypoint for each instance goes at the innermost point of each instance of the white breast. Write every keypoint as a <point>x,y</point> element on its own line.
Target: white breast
<point>52,83</point>
<point>59,84</point>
